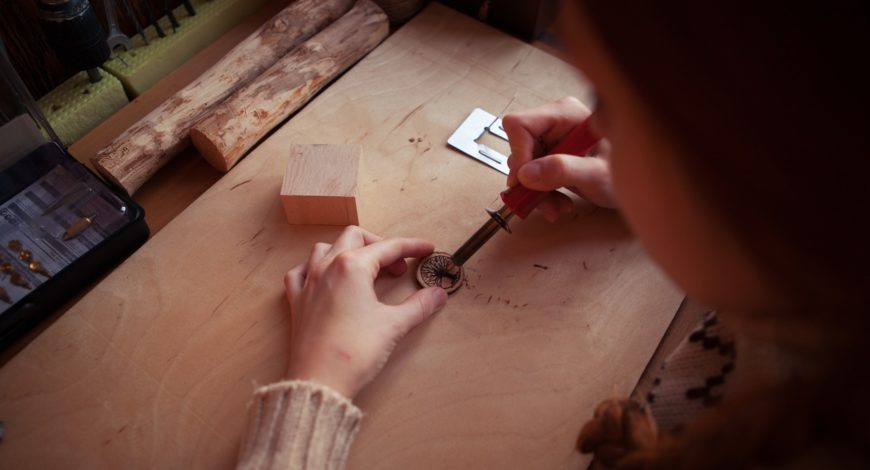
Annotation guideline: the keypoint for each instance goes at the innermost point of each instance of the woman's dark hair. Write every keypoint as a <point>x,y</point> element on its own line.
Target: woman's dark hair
<point>769,104</point>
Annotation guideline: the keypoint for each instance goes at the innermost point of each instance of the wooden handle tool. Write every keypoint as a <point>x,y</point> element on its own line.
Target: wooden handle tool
<point>520,200</point>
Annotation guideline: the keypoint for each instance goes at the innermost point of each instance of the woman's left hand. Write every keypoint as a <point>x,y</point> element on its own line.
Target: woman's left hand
<point>342,334</point>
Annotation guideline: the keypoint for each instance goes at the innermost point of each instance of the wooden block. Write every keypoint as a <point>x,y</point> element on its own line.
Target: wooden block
<point>320,185</point>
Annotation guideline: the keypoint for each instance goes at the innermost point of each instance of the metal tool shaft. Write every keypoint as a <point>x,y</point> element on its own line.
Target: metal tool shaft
<point>115,37</point>
<point>189,7</point>
<point>497,220</point>
<point>149,13</point>
<point>94,75</point>
<point>520,200</point>
<point>167,6</point>
<point>132,15</point>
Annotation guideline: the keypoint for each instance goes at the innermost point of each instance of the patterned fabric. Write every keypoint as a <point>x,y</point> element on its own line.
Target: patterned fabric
<point>694,376</point>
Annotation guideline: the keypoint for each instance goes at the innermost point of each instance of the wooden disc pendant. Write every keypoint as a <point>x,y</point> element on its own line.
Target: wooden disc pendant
<point>438,270</point>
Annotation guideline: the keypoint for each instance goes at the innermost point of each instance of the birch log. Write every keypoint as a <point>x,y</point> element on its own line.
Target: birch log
<point>236,125</point>
<point>149,144</point>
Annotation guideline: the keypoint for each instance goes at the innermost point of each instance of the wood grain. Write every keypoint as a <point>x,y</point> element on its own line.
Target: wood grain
<point>236,125</point>
<point>154,367</point>
<point>320,185</point>
<point>135,155</point>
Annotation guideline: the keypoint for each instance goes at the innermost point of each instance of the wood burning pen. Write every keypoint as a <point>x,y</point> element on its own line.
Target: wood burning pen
<point>520,200</point>
<point>445,270</point>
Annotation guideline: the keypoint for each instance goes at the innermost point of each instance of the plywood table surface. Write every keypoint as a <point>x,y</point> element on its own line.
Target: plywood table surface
<point>154,367</point>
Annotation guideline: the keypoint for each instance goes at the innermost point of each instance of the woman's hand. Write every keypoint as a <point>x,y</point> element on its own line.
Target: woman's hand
<point>341,333</point>
<point>533,131</point>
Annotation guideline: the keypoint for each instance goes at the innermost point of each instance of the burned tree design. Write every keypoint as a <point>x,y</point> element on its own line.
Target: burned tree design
<point>439,270</point>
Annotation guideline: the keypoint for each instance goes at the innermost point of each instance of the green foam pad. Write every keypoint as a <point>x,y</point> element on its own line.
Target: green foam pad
<point>143,66</point>
<point>77,105</point>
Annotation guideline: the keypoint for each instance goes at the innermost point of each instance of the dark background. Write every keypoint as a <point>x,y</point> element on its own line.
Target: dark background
<point>30,53</point>
<point>41,71</point>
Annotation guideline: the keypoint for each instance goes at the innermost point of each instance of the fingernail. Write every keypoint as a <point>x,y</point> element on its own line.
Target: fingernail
<point>531,172</point>
<point>440,296</point>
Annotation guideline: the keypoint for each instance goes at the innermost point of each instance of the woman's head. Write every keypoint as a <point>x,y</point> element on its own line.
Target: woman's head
<point>738,143</point>
<point>739,154</point>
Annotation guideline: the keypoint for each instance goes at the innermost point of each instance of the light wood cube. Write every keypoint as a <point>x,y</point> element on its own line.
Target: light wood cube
<point>320,185</point>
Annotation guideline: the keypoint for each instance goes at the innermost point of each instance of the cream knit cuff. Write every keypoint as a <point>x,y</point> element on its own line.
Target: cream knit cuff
<point>299,425</point>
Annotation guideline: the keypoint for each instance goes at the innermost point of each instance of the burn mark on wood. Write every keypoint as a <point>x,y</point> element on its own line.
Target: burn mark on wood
<point>257,234</point>
<point>219,305</point>
<point>541,266</point>
<point>241,184</point>
<point>439,270</point>
<point>405,119</point>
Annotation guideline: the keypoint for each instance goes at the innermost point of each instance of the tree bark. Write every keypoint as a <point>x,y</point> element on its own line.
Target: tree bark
<point>236,125</point>
<point>142,149</point>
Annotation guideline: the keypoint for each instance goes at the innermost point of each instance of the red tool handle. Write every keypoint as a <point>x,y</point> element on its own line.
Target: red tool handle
<point>520,199</point>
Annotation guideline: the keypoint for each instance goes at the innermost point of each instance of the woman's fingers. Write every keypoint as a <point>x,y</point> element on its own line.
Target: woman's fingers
<point>398,268</point>
<point>533,131</point>
<point>318,251</point>
<point>354,238</point>
<point>589,177</point>
<point>418,307</point>
<point>524,144</point>
<point>351,238</point>
<point>295,278</point>
<point>293,282</point>
<point>385,253</point>
<point>555,205</point>
<point>341,333</point>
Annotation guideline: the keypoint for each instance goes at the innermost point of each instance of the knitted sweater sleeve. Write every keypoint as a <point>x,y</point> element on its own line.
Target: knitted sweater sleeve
<point>299,425</point>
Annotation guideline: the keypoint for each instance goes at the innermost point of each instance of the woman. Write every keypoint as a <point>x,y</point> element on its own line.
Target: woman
<point>738,152</point>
